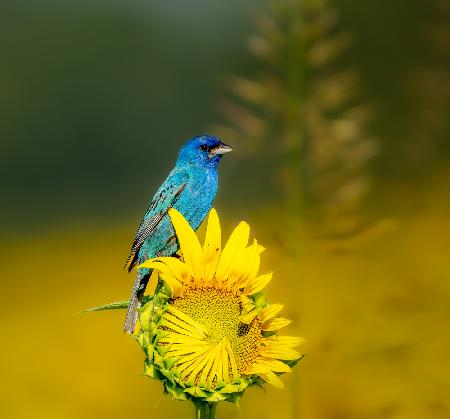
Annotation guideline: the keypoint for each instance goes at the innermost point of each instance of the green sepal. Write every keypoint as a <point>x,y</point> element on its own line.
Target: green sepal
<point>158,359</point>
<point>162,350</point>
<point>235,398</point>
<point>259,299</point>
<point>168,374</point>
<point>215,397</point>
<point>230,388</point>
<point>175,391</point>
<point>145,316</point>
<point>220,385</point>
<point>165,290</point>
<point>190,383</point>
<point>178,380</point>
<point>169,363</point>
<point>195,391</point>
<point>236,387</point>
<point>150,370</point>
<point>294,363</point>
<point>244,384</point>
<point>144,341</point>
<point>258,381</point>
<point>267,334</point>
<point>156,314</point>
<point>146,299</point>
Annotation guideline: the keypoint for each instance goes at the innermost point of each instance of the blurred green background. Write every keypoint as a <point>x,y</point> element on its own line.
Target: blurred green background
<point>338,113</point>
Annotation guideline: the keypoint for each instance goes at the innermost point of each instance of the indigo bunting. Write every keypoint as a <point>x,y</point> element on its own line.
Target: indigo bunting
<point>190,188</point>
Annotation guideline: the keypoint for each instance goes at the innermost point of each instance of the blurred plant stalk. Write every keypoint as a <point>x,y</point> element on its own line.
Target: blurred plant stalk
<point>303,106</point>
<point>205,410</point>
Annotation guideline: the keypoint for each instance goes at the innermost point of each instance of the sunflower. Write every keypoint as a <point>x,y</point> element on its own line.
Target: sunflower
<point>208,332</point>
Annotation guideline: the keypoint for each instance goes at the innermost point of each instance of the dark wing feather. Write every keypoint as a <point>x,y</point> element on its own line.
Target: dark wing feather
<point>144,231</point>
<point>164,199</point>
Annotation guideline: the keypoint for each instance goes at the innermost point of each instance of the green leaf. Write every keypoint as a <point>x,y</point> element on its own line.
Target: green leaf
<point>118,305</point>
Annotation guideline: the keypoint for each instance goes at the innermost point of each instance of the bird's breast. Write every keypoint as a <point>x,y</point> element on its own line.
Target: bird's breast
<point>196,203</point>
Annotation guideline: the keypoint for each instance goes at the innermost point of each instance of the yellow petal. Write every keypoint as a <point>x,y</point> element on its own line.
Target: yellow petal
<point>225,363</point>
<point>152,283</point>
<point>170,266</point>
<point>183,350</point>
<point>186,321</point>
<point>156,265</point>
<point>257,369</point>
<point>291,341</point>
<point>247,318</point>
<point>265,373</point>
<point>173,283</point>
<point>199,365</point>
<point>189,361</point>
<point>258,284</point>
<point>231,359</point>
<point>269,312</point>
<point>275,324</point>
<point>273,365</point>
<point>207,370</point>
<point>180,270</point>
<point>179,343</point>
<point>280,347</point>
<point>212,374</point>
<point>273,379</point>
<point>174,326</point>
<point>188,358</point>
<point>236,244</point>
<point>218,366</point>
<point>189,244</point>
<point>137,327</point>
<point>284,353</point>
<point>212,246</point>
<point>245,267</point>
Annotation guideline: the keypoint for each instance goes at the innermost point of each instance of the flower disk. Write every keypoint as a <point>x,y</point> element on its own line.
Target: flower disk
<point>208,332</point>
<point>219,310</point>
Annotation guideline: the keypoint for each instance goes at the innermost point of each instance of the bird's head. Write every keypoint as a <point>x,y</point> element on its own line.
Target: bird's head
<point>204,150</point>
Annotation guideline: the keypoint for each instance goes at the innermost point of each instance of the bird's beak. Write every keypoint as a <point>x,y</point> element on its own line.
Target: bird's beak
<point>221,149</point>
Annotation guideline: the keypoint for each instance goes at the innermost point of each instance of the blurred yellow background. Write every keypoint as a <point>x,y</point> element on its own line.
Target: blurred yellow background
<point>98,97</point>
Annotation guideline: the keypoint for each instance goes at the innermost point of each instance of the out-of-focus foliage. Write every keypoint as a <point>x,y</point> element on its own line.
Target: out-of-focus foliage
<point>303,106</point>
<point>430,84</point>
<point>96,98</point>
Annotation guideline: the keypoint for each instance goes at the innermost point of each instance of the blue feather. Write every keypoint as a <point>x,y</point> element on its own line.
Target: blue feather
<point>190,188</point>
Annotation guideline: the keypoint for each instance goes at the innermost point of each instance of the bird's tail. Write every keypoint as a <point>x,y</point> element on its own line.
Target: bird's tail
<point>140,283</point>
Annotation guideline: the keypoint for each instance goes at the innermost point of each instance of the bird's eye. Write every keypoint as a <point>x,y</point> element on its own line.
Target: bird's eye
<point>204,147</point>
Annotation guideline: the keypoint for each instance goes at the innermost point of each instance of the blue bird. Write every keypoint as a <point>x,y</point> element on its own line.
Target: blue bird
<point>190,188</point>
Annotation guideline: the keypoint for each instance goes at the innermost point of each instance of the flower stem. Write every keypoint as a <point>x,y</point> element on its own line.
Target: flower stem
<point>205,410</point>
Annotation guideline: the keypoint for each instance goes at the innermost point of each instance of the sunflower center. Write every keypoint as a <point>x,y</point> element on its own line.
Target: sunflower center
<point>219,308</point>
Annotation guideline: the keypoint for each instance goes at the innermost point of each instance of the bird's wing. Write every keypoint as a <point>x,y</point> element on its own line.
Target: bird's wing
<point>166,197</point>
